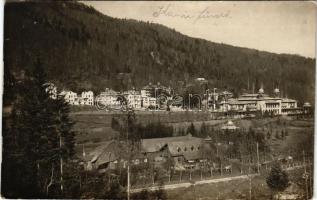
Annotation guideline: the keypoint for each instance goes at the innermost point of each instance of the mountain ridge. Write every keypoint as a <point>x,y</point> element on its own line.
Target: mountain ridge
<point>85,49</point>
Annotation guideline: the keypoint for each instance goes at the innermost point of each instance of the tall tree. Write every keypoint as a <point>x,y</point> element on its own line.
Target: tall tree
<point>203,130</point>
<point>192,130</point>
<point>43,137</point>
<point>277,179</point>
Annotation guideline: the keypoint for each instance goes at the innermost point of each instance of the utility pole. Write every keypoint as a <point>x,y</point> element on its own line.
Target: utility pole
<point>189,95</point>
<point>128,153</point>
<point>61,162</point>
<point>310,178</point>
<point>207,97</point>
<point>60,154</point>
<point>258,157</point>
<point>217,191</point>
<point>305,175</point>
<point>128,187</point>
<point>250,178</point>
<point>248,83</point>
<point>214,98</point>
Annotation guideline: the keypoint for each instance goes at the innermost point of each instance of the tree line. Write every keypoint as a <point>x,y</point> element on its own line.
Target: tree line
<point>85,50</point>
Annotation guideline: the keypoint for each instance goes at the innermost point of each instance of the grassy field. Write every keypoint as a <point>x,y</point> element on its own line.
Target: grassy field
<point>94,128</point>
<point>236,189</point>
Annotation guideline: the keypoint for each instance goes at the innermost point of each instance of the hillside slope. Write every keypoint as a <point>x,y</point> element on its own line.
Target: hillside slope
<point>84,49</point>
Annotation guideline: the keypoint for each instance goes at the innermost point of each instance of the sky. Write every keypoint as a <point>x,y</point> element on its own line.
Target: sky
<point>279,27</point>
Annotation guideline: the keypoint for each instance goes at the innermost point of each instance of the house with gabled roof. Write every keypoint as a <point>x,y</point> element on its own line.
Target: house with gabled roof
<point>182,149</point>
<point>103,156</point>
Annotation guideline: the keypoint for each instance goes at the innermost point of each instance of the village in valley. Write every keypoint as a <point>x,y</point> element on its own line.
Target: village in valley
<point>156,97</point>
<point>158,137</point>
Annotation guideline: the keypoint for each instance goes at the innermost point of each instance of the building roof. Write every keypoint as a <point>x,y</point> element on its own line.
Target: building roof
<point>186,146</point>
<point>271,101</point>
<point>108,92</point>
<point>286,100</point>
<point>229,126</point>
<point>239,102</point>
<point>249,95</point>
<point>103,154</point>
<point>226,92</point>
<point>155,144</point>
<point>271,98</point>
<point>276,90</point>
<point>261,91</point>
<point>307,104</point>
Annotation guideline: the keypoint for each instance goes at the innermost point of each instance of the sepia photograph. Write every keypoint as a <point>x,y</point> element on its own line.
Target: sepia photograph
<point>158,100</point>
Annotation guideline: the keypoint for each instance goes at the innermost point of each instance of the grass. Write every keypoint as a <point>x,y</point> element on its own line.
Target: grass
<point>236,189</point>
<point>94,128</point>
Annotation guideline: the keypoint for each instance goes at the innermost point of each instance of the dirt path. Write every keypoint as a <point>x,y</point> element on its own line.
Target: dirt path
<point>188,184</point>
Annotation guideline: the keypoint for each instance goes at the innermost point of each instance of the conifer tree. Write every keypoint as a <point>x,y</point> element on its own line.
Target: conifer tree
<point>42,136</point>
<point>286,133</point>
<point>203,130</point>
<point>277,135</point>
<point>277,179</point>
<point>191,129</point>
<point>268,135</point>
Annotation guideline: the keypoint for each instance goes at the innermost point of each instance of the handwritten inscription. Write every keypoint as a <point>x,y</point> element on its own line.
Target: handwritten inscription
<point>203,14</point>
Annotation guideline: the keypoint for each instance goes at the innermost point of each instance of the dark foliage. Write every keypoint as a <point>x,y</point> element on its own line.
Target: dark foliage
<point>36,135</point>
<point>84,49</point>
<point>139,131</point>
<point>277,179</point>
<point>192,130</point>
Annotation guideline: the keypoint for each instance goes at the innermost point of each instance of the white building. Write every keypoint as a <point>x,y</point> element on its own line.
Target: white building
<point>289,106</point>
<point>134,99</point>
<point>148,102</point>
<point>70,97</point>
<point>108,98</point>
<point>51,89</point>
<point>145,93</point>
<point>87,98</point>
<point>261,102</point>
<point>289,103</point>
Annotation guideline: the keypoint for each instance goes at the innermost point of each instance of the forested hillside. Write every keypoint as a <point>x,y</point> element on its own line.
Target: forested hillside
<point>84,49</point>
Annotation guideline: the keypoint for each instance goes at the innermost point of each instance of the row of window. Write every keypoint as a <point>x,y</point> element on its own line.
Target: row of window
<point>192,148</point>
<point>272,106</point>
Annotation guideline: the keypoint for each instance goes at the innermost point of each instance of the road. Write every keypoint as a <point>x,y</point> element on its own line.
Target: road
<point>188,184</point>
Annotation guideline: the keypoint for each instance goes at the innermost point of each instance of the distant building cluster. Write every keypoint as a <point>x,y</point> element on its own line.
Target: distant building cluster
<point>86,97</point>
<point>248,103</point>
<point>143,99</point>
<point>158,97</point>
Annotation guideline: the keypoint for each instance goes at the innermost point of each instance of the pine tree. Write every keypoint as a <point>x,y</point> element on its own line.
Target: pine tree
<point>277,135</point>
<point>268,135</point>
<point>115,124</point>
<point>191,129</point>
<point>282,135</point>
<point>42,136</point>
<point>277,179</point>
<point>203,130</point>
<point>286,133</point>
